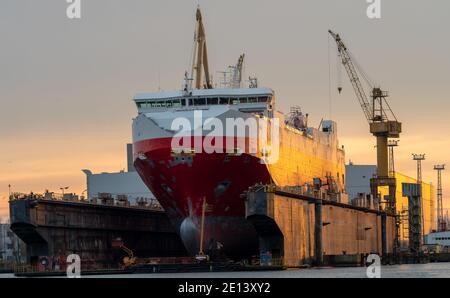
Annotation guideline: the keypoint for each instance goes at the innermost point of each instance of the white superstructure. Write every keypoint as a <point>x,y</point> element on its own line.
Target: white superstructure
<point>438,238</point>
<point>126,183</point>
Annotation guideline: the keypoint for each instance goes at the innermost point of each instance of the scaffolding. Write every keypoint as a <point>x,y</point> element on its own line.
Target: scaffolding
<point>442,223</point>
<point>391,145</point>
<point>419,158</point>
<point>413,191</point>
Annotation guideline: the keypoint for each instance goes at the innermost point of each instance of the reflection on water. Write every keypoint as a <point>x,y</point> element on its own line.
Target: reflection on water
<point>403,271</point>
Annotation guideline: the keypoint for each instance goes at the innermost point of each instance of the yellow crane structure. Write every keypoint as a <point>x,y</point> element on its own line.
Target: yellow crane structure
<point>128,260</point>
<point>382,121</point>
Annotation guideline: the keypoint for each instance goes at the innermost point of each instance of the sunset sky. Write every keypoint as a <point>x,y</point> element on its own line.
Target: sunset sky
<point>66,86</point>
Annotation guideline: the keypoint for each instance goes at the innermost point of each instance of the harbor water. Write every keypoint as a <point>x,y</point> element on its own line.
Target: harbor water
<point>430,270</point>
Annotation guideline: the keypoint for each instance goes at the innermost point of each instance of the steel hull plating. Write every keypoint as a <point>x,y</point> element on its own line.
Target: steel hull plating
<point>181,182</point>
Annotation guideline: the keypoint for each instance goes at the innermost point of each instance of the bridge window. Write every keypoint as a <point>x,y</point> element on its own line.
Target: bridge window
<point>235,101</point>
<point>158,104</point>
<point>174,103</point>
<point>170,103</point>
<point>197,101</point>
<point>213,101</point>
<point>201,101</point>
<point>224,101</point>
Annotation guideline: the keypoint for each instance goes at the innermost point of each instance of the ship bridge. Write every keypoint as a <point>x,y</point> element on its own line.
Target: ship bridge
<point>244,99</point>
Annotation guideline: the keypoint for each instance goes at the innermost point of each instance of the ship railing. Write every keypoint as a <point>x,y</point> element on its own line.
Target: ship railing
<point>281,262</point>
<point>86,266</point>
<point>298,190</point>
<point>6,266</point>
<point>142,203</point>
<point>23,196</point>
<point>166,260</point>
<point>258,188</point>
<point>47,196</point>
<point>267,261</point>
<point>25,268</point>
<point>306,190</point>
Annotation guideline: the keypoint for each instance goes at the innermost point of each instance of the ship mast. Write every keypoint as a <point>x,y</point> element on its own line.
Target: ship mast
<point>237,72</point>
<point>200,55</point>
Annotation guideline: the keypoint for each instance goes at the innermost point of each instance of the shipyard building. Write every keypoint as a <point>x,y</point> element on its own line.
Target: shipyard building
<point>12,249</point>
<point>123,184</point>
<point>358,185</point>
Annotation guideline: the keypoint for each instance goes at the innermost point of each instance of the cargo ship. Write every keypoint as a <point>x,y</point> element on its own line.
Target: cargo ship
<point>198,165</point>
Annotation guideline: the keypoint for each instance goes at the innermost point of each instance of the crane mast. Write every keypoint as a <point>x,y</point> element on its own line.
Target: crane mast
<point>200,59</point>
<point>237,72</point>
<point>382,121</point>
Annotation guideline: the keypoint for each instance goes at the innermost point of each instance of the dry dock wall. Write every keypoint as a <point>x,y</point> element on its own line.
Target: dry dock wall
<point>54,229</point>
<point>289,229</point>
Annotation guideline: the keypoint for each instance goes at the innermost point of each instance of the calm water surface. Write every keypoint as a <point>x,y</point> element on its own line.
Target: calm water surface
<point>403,271</point>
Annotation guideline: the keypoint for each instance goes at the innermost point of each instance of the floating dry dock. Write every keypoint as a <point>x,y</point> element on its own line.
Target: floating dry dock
<point>53,229</point>
<point>298,229</point>
<point>294,230</point>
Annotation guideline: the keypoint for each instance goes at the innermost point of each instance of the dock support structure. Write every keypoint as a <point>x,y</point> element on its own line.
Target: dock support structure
<point>54,229</point>
<point>384,250</point>
<point>413,192</point>
<point>318,232</point>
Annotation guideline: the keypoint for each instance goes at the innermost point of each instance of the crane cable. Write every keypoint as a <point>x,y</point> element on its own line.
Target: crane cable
<point>329,79</point>
<point>339,72</point>
<point>361,71</point>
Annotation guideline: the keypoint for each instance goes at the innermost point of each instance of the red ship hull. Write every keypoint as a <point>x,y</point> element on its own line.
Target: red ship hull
<point>182,182</point>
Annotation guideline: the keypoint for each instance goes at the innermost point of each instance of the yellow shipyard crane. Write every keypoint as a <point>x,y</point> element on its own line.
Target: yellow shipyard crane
<point>382,121</point>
